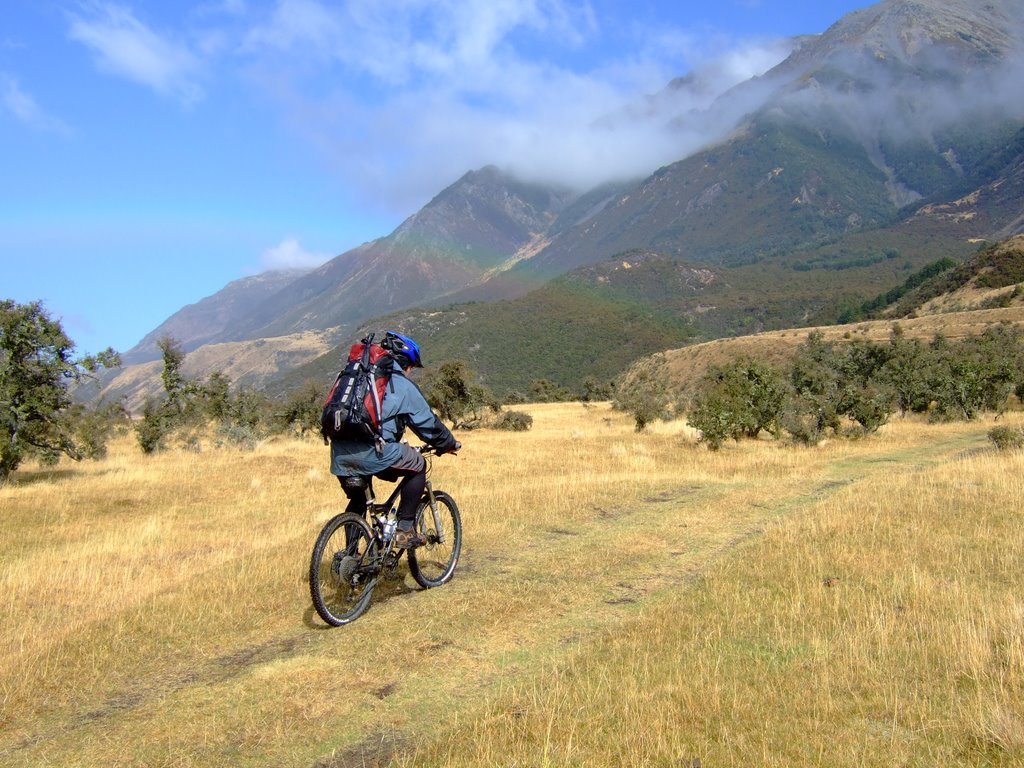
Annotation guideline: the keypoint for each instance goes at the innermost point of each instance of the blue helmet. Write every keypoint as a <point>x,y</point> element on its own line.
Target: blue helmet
<point>403,349</point>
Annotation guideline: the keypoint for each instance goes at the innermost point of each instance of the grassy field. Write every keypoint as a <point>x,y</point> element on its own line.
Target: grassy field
<point>623,599</point>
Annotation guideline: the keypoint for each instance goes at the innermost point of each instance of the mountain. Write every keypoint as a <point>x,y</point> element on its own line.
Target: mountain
<point>482,223</point>
<point>208,320</point>
<point>894,138</point>
<point>899,103</point>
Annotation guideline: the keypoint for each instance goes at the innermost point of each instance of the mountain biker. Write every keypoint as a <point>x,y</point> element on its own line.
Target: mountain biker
<point>356,463</point>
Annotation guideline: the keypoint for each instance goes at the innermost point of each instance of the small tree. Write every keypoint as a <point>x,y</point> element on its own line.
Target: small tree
<point>302,408</point>
<point>962,379</point>
<point>594,390</point>
<point>95,425</point>
<point>644,392</point>
<point>184,402</point>
<point>740,399</point>
<point>547,391</point>
<point>247,408</point>
<point>216,396</point>
<point>171,376</point>
<point>151,429</point>
<point>36,366</point>
<point>814,377</point>
<point>451,390</point>
<point>904,372</point>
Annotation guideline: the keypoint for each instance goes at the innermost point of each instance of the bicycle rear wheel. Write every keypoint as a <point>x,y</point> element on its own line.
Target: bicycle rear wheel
<point>344,569</point>
<point>434,563</point>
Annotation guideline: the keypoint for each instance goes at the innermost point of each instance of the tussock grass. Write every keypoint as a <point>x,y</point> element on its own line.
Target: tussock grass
<point>623,599</point>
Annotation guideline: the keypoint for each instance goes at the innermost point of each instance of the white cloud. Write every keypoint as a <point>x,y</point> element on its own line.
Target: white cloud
<point>421,91</point>
<point>289,254</point>
<point>24,107</point>
<point>125,46</point>
<point>403,41</point>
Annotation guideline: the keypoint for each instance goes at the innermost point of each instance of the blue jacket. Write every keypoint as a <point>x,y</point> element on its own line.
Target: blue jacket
<point>404,406</point>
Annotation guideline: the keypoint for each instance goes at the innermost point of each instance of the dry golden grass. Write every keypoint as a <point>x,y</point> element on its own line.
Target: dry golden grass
<point>623,599</point>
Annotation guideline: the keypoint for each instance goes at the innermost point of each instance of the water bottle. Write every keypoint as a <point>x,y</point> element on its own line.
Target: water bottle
<point>390,523</point>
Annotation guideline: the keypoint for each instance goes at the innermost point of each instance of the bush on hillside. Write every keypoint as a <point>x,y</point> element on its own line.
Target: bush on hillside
<point>853,388</point>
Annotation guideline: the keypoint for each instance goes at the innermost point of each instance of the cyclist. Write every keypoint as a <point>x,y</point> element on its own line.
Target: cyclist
<point>356,463</point>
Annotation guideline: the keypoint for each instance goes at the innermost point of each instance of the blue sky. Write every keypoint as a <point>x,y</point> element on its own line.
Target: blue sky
<point>151,152</point>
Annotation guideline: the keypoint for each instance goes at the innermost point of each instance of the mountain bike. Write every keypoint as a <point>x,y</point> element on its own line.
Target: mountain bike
<point>353,551</point>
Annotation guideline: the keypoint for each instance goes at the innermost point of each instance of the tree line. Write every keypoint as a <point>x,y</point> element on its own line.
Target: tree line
<point>847,388</point>
<point>837,388</point>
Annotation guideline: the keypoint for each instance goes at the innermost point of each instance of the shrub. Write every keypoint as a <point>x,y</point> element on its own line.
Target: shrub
<point>644,393</point>
<point>514,421</point>
<point>153,428</point>
<point>738,400</point>
<point>805,422</point>
<point>94,426</point>
<point>1007,438</point>
<point>238,435</point>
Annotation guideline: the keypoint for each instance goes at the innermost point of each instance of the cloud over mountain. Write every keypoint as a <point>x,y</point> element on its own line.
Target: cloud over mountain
<point>486,83</point>
<point>289,254</point>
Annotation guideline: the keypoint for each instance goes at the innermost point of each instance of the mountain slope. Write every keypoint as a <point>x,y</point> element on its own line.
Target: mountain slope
<point>898,103</point>
<point>467,231</point>
<point>464,233</point>
<point>565,332</point>
<point>215,316</point>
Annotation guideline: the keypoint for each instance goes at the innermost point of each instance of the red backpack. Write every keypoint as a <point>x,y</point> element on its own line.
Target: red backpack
<point>355,403</point>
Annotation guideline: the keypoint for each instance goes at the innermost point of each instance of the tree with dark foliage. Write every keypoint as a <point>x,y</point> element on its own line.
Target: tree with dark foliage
<point>36,367</point>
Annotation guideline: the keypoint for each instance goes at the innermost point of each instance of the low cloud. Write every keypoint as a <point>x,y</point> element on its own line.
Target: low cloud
<point>289,254</point>
<point>126,47</point>
<point>22,106</point>
<point>420,92</point>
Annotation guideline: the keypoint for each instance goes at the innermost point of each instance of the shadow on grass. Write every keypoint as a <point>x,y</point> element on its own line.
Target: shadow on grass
<point>387,589</point>
<point>32,477</point>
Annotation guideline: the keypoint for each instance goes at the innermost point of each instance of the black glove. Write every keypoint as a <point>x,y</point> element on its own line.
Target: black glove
<point>452,448</point>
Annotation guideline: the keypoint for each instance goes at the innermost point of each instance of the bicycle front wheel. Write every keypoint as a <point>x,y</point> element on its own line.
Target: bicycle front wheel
<point>434,563</point>
<point>344,569</point>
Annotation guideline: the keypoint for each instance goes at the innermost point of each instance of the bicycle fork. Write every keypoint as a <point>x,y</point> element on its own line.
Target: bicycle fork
<point>432,503</point>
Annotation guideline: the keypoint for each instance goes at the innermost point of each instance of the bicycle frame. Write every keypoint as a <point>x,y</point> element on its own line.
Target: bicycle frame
<point>377,513</point>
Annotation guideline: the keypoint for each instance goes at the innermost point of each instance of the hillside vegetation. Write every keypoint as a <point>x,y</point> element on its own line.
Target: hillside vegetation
<point>688,365</point>
<point>624,599</point>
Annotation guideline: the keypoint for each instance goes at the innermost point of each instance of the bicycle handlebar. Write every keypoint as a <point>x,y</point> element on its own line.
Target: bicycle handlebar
<point>425,449</point>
